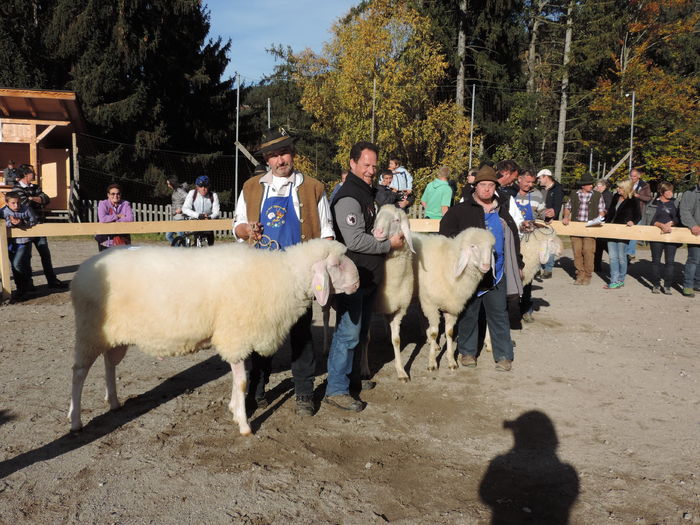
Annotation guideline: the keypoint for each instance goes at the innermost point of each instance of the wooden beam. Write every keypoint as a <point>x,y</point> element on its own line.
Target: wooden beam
<point>623,232</point>
<point>247,153</point>
<point>92,228</point>
<point>32,107</point>
<point>5,271</point>
<point>3,107</point>
<point>37,93</point>
<point>619,163</point>
<point>36,122</point>
<point>45,132</point>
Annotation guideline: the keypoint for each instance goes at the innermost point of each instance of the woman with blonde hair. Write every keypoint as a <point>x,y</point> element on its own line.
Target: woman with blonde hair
<point>624,209</point>
<point>665,217</point>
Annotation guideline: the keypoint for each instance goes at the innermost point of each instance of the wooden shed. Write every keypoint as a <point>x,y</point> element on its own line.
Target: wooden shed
<point>38,127</point>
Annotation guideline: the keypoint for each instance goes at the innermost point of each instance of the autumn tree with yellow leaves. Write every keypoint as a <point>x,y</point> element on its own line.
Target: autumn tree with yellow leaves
<point>385,52</point>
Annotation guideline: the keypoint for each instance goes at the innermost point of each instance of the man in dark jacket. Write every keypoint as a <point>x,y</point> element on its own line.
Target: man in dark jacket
<point>32,195</point>
<point>642,191</point>
<point>601,244</point>
<point>482,209</point>
<point>353,218</point>
<point>553,200</point>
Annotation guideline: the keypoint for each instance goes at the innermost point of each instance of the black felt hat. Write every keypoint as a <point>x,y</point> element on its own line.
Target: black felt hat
<point>586,178</point>
<point>275,139</point>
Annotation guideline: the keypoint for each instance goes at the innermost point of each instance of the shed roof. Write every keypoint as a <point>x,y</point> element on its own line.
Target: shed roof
<point>41,106</point>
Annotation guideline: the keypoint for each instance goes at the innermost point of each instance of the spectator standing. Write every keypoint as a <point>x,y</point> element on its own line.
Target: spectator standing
<point>690,218</point>
<point>288,207</point>
<point>583,205</point>
<point>343,175</point>
<point>437,195</point>
<point>601,245</point>
<point>530,203</point>
<point>10,173</point>
<point>21,216</point>
<point>642,192</point>
<point>113,209</point>
<point>508,171</point>
<point>354,213</point>
<point>32,196</point>
<point>403,180</point>
<point>179,194</point>
<point>553,200</point>
<point>624,209</point>
<point>385,193</point>
<point>202,204</point>
<point>484,209</point>
<point>665,217</point>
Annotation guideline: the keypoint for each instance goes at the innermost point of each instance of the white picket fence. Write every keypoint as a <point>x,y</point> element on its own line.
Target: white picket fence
<point>144,212</point>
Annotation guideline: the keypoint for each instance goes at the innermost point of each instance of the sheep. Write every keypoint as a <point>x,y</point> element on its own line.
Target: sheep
<point>535,246</point>
<point>448,271</point>
<point>396,290</point>
<point>239,300</point>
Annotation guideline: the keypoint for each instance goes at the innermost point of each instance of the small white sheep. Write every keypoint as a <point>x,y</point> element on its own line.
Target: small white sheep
<point>396,290</point>
<point>240,300</point>
<point>448,271</point>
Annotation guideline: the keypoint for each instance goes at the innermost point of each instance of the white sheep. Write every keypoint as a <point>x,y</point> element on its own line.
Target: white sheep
<point>448,271</point>
<point>396,290</point>
<point>239,300</point>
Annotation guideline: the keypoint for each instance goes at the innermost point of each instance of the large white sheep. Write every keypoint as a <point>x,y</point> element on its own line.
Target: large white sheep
<point>396,290</point>
<point>448,271</point>
<point>169,303</point>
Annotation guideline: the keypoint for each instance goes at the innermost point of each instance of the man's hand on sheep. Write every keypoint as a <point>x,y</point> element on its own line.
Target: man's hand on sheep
<point>249,231</point>
<point>396,241</point>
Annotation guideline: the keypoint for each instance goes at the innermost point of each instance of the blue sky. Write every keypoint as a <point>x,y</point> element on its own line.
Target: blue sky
<point>255,26</point>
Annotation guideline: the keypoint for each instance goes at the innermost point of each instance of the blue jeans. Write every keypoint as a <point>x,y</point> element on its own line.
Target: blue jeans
<point>549,264</point>
<point>691,277</point>
<point>20,258</point>
<point>171,235</point>
<point>617,251</point>
<point>496,308</point>
<point>42,246</point>
<point>631,248</point>
<point>354,313</point>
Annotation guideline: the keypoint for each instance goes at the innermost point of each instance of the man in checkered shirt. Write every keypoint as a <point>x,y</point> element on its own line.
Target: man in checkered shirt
<point>583,205</point>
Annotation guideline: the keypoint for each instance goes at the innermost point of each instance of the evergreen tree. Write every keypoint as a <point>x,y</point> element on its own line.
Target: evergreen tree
<point>21,63</point>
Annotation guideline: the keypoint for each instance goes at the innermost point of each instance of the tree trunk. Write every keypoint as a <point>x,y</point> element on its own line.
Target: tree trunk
<point>532,49</point>
<point>461,47</point>
<point>561,132</point>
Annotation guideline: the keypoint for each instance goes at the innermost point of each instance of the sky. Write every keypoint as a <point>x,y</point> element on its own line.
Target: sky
<point>255,26</point>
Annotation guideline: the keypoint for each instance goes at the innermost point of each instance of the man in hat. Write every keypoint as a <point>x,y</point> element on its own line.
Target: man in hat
<point>287,207</point>
<point>353,216</point>
<point>553,199</point>
<point>485,209</point>
<point>583,205</point>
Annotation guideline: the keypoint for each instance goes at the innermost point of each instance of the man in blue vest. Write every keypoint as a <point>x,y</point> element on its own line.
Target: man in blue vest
<point>353,218</point>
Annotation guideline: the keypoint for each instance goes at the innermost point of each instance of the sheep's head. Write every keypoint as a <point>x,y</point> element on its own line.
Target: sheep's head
<point>389,221</point>
<point>334,274</point>
<point>476,249</point>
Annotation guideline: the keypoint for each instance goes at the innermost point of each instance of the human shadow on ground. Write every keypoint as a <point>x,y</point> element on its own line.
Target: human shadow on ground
<point>641,270</point>
<point>102,425</point>
<point>529,484</point>
<point>567,264</point>
<point>6,416</point>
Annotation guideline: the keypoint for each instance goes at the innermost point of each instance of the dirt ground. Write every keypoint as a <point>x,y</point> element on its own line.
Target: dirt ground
<point>599,422</point>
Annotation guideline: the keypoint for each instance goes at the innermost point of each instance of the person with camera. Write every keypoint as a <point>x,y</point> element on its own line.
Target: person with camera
<point>388,195</point>
<point>202,204</point>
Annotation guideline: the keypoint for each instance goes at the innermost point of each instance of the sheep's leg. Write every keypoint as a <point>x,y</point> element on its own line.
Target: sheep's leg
<point>450,321</point>
<point>80,372</point>
<point>112,358</point>
<point>432,336</point>
<point>487,340</point>
<point>237,404</point>
<point>326,310</point>
<point>395,326</point>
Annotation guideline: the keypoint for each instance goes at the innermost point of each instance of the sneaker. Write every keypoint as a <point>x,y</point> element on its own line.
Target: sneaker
<point>345,402</point>
<point>688,292</point>
<point>527,317</point>
<point>58,284</point>
<point>656,289</point>
<point>667,290</point>
<point>467,361</point>
<point>305,406</point>
<point>615,286</point>
<point>504,365</point>
<point>546,274</point>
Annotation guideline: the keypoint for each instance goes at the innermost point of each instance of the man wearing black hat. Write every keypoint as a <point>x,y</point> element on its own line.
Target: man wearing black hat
<point>485,209</point>
<point>288,208</point>
<point>583,205</point>
<point>353,216</point>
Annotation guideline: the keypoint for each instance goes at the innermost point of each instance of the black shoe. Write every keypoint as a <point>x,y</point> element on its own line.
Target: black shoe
<point>262,402</point>
<point>18,296</point>
<point>31,287</point>
<point>305,406</point>
<point>58,284</point>
<point>345,402</point>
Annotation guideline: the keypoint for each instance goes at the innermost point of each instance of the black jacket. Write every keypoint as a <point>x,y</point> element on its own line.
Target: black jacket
<point>627,211</point>
<point>32,191</point>
<point>554,199</point>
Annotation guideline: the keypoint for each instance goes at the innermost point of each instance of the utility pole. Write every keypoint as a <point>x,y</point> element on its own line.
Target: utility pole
<point>471,126</point>
<point>561,132</point>
<point>590,162</point>
<point>238,105</point>
<point>268,112</point>
<point>631,129</point>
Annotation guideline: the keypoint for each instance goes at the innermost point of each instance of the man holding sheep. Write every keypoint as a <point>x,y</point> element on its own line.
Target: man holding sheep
<point>353,216</point>
<point>288,208</point>
<point>483,209</point>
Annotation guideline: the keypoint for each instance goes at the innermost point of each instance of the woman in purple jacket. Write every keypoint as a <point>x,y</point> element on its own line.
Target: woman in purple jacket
<point>113,209</point>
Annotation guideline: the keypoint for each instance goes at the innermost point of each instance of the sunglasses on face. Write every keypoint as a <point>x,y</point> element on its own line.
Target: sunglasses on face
<point>111,193</point>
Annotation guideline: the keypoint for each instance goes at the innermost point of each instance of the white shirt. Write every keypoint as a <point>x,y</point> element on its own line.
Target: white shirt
<point>280,187</point>
<point>193,207</point>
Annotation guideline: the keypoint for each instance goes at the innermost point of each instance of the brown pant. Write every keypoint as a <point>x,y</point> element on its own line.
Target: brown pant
<point>584,255</point>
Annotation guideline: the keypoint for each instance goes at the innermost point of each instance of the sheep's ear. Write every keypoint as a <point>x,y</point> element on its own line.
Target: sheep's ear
<point>406,230</point>
<point>320,282</point>
<point>462,261</point>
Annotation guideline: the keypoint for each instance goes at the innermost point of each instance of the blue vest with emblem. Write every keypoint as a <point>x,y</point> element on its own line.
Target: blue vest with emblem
<point>279,219</point>
<point>526,209</point>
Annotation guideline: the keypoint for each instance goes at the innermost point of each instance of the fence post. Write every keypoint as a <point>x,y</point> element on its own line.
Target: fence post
<point>4,263</point>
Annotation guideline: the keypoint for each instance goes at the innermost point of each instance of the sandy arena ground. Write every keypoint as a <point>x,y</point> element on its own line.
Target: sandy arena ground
<point>604,396</point>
